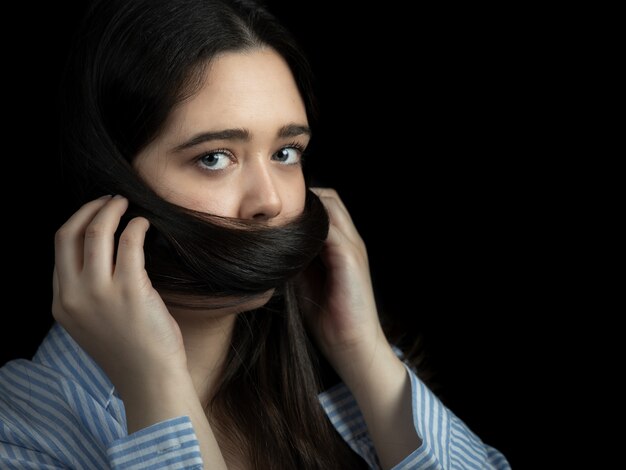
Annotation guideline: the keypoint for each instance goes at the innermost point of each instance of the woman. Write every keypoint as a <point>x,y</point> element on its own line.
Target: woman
<point>184,304</point>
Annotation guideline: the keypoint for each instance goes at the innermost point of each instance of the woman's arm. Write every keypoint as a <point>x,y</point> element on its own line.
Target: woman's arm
<point>156,401</point>
<point>341,311</point>
<point>381,386</point>
<point>107,303</point>
<point>339,304</point>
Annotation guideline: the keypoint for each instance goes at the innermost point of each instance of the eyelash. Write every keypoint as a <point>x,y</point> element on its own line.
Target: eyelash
<point>293,145</point>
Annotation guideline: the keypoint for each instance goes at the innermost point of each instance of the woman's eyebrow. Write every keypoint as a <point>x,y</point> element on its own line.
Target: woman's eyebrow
<point>243,135</point>
<point>294,130</point>
<point>225,134</point>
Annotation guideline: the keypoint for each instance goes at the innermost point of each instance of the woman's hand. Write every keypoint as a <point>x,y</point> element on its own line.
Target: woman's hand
<point>107,303</point>
<point>339,301</point>
<point>341,311</point>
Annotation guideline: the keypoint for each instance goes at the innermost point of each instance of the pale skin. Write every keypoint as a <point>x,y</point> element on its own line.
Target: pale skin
<point>164,362</point>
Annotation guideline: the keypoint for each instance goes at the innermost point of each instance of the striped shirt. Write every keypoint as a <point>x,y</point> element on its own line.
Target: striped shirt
<point>60,411</point>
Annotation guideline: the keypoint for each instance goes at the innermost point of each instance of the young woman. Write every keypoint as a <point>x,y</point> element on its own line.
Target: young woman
<point>212,310</point>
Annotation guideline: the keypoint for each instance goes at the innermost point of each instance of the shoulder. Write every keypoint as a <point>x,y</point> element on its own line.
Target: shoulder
<point>47,411</point>
<point>32,397</point>
<point>33,406</point>
<point>47,417</point>
<point>27,384</point>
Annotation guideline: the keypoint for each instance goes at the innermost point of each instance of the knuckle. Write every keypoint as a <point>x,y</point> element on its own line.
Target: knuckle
<point>62,234</point>
<point>67,301</point>
<point>76,300</point>
<point>129,239</point>
<point>133,234</point>
<point>100,295</point>
<point>94,230</point>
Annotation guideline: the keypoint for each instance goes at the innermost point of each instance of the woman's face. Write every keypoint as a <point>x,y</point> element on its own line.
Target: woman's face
<point>234,148</point>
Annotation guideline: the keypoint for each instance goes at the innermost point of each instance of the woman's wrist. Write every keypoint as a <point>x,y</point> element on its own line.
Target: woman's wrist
<point>368,364</point>
<point>151,400</point>
<point>382,390</point>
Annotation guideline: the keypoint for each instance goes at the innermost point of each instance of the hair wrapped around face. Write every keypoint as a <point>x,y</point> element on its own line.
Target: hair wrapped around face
<point>217,261</point>
<point>133,64</point>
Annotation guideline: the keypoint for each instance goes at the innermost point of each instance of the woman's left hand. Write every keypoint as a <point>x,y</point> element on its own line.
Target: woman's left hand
<point>341,311</point>
<point>338,298</point>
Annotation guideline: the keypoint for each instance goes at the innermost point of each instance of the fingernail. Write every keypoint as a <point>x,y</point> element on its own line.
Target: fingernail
<point>102,198</point>
<point>118,196</point>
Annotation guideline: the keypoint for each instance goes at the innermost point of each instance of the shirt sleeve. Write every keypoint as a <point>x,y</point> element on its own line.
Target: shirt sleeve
<point>171,444</point>
<point>447,443</point>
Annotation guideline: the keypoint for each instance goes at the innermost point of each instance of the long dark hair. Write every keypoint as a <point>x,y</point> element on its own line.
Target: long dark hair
<point>132,62</point>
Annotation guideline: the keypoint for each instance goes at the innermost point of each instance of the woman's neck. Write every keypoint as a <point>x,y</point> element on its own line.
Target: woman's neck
<point>207,338</point>
<point>207,335</point>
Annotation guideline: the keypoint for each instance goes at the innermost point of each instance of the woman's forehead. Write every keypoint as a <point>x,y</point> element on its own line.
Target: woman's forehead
<point>253,89</point>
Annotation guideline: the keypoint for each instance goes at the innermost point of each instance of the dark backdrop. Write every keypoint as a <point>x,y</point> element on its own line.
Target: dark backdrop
<point>418,133</point>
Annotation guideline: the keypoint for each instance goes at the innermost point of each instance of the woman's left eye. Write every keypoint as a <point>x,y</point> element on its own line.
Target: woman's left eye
<point>288,155</point>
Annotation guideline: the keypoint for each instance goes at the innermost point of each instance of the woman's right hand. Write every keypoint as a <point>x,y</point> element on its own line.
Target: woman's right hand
<point>107,303</point>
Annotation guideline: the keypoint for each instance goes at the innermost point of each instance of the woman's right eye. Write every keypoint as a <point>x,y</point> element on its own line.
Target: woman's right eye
<point>215,161</point>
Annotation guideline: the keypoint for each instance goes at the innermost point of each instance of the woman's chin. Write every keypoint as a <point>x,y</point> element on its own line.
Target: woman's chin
<point>254,303</point>
<point>215,306</point>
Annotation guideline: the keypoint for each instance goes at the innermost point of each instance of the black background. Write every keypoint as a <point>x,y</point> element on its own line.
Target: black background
<point>424,131</point>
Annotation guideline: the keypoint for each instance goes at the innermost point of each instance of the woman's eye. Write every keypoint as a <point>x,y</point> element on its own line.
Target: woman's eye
<point>288,155</point>
<point>214,161</point>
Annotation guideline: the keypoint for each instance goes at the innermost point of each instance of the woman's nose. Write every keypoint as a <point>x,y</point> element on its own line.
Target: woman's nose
<point>261,199</point>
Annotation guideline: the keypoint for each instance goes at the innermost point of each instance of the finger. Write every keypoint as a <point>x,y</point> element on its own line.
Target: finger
<point>130,263</point>
<point>69,241</point>
<point>99,244</point>
<point>329,193</point>
<point>338,213</point>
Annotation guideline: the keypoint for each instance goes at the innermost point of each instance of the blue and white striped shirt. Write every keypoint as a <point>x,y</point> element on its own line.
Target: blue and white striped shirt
<point>59,411</point>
